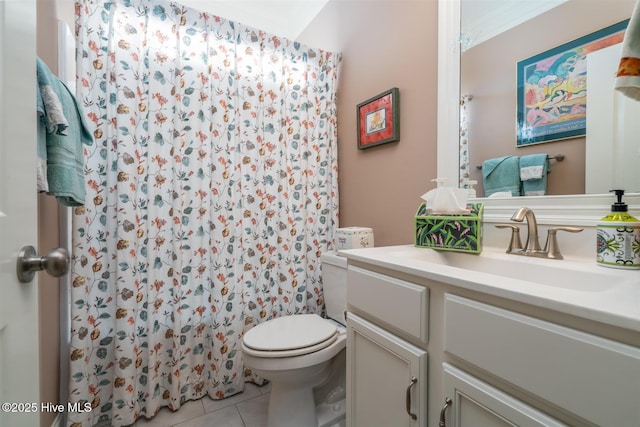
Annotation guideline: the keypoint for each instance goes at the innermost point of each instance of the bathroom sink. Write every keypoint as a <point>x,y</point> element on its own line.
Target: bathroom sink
<point>575,286</point>
<point>572,275</point>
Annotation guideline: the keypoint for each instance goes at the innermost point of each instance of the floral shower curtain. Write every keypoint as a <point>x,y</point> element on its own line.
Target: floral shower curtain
<point>463,149</point>
<point>211,193</point>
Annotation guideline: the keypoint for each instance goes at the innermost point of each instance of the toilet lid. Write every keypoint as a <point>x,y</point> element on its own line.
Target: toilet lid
<point>290,333</point>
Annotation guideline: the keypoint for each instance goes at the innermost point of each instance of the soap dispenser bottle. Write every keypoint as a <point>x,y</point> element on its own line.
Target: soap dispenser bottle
<point>618,237</point>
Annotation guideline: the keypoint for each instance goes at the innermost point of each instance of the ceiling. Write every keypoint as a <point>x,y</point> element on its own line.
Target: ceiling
<point>285,18</point>
<point>484,19</point>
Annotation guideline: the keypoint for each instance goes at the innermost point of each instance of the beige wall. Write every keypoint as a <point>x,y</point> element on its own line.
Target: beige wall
<point>49,309</point>
<point>384,44</point>
<point>48,220</point>
<point>489,75</point>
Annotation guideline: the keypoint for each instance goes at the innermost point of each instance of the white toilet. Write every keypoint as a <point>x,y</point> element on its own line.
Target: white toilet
<point>304,357</point>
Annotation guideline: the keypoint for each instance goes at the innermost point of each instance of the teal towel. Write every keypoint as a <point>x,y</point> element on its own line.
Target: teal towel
<point>64,147</point>
<point>501,174</point>
<point>43,186</point>
<point>533,174</point>
<point>42,127</point>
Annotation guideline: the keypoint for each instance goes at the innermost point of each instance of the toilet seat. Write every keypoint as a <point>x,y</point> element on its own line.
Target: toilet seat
<point>289,336</point>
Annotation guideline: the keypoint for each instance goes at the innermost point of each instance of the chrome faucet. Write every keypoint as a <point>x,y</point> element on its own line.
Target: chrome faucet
<point>532,245</point>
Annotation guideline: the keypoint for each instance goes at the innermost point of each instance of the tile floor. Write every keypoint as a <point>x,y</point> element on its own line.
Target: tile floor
<point>246,409</point>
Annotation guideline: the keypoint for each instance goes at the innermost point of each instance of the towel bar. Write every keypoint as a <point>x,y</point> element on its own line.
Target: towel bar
<point>558,157</point>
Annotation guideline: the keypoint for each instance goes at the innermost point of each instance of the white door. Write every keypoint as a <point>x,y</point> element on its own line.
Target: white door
<point>19,362</point>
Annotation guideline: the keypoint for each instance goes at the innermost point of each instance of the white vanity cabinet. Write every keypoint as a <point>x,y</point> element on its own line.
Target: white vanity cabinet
<point>500,352</point>
<point>590,378</point>
<point>387,377</point>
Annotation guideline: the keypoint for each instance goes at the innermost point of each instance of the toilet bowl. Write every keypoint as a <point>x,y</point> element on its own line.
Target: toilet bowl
<point>303,356</point>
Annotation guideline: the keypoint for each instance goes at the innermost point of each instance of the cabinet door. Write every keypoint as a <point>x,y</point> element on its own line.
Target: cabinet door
<point>591,377</point>
<point>474,403</point>
<point>386,378</point>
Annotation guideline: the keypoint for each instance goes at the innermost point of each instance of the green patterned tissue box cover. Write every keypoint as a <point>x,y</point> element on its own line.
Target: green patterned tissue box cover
<point>460,233</point>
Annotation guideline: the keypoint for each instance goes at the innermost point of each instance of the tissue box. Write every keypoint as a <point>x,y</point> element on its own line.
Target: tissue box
<point>460,233</point>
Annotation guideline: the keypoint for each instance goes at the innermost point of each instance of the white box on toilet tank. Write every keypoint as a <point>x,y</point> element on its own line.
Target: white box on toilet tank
<point>354,237</point>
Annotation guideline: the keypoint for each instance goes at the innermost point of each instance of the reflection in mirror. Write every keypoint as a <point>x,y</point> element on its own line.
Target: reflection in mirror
<point>488,88</point>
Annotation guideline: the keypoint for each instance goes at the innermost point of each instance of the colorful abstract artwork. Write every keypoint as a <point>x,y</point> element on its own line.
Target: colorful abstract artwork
<point>552,88</point>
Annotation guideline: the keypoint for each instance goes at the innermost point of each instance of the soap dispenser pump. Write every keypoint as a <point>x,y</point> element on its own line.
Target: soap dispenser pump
<point>618,237</point>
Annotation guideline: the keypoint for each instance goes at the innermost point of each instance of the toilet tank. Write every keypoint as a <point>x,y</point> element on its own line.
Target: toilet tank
<point>334,284</point>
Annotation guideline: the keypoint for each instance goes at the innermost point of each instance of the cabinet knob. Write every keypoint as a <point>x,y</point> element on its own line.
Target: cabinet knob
<point>411,414</point>
<point>443,421</point>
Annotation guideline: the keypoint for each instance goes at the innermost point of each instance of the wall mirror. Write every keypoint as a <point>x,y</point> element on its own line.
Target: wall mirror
<point>527,38</point>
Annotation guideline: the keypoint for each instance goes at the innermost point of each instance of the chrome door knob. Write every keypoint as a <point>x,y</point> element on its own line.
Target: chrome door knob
<point>56,263</point>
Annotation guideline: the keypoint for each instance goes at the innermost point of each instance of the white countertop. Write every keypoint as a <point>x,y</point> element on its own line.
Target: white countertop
<point>575,286</point>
